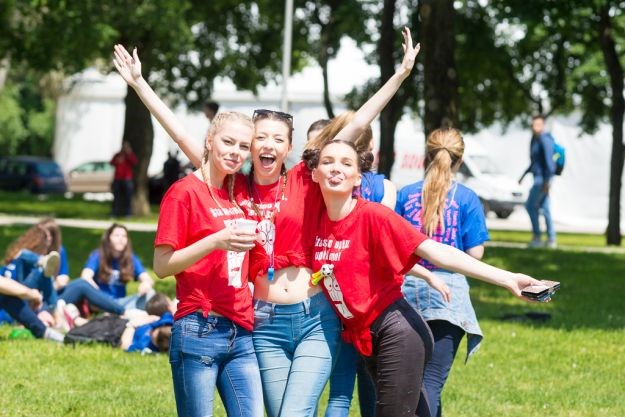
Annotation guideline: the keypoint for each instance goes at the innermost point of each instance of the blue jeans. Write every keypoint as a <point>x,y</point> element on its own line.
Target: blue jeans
<point>21,312</point>
<point>80,290</point>
<point>296,346</point>
<point>214,352</point>
<point>349,364</point>
<point>447,338</point>
<point>539,200</point>
<point>24,269</point>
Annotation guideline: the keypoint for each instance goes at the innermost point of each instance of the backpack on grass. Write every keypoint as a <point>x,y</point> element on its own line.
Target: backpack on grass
<point>104,329</point>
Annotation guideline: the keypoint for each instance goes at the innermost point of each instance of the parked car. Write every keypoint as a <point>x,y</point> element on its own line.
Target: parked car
<point>35,174</point>
<point>91,177</point>
<point>498,192</point>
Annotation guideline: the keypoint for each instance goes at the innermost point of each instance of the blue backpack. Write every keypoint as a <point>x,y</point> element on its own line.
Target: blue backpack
<point>559,157</point>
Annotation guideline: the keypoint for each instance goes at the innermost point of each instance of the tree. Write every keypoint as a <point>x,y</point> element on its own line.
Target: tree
<point>441,74</point>
<point>184,45</point>
<point>574,55</point>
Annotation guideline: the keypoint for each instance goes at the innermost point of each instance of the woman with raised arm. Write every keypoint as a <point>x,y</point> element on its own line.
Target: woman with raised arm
<point>294,367</point>
<point>198,241</point>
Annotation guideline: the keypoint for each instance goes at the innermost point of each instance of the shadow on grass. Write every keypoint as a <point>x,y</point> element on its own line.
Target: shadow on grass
<point>590,295</point>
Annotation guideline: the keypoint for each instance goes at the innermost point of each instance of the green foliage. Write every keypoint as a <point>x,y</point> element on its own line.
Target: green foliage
<point>12,130</point>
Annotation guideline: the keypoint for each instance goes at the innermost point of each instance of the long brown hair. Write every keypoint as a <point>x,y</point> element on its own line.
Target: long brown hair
<point>362,143</point>
<point>217,123</point>
<point>443,152</point>
<point>105,268</point>
<point>50,224</point>
<point>35,239</point>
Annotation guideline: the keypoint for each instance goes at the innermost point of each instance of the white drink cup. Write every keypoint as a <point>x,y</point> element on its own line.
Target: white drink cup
<point>247,225</point>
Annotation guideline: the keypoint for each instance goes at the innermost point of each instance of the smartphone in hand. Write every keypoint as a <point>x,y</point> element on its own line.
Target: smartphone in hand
<point>541,292</point>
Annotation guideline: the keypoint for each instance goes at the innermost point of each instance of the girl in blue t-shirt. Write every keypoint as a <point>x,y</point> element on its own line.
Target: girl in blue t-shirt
<point>449,213</point>
<point>110,267</point>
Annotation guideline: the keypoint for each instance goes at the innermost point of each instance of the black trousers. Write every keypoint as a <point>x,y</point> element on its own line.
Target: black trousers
<point>402,345</point>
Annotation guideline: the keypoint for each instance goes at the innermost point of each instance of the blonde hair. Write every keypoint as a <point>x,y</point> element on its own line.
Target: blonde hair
<point>362,143</point>
<point>216,125</point>
<point>443,152</point>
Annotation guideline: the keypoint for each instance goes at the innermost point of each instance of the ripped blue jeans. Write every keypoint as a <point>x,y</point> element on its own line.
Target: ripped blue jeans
<point>209,352</point>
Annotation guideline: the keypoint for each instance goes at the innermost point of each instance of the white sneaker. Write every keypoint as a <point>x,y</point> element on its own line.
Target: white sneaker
<point>552,244</point>
<point>64,321</point>
<point>51,264</point>
<point>535,243</point>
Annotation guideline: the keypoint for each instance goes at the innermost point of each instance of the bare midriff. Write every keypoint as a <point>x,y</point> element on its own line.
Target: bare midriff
<point>290,285</point>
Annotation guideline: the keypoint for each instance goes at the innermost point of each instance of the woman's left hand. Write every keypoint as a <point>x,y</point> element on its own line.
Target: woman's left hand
<point>410,53</point>
<point>522,281</point>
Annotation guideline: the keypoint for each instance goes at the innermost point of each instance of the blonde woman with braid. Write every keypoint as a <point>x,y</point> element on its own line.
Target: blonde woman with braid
<point>296,332</point>
<point>198,242</point>
<point>449,213</point>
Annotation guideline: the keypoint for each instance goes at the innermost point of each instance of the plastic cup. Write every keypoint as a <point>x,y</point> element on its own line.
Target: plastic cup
<point>247,225</point>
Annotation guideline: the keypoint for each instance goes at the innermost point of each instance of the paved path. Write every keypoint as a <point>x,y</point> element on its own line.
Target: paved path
<point>84,223</point>
<point>517,221</point>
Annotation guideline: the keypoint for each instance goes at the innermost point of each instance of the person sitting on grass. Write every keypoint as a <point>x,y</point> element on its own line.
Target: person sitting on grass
<point>21,302</point>
<point>104,277</point>
<point>148,334</point>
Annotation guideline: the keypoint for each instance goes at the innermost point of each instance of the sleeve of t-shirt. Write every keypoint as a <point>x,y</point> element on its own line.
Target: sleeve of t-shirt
<point>173,221</point>
<point>399,202</point>
<point>93,262</point>
<point>138,266</point>
<point>397,241</point>
<point>474,231</point>
<point>64,268</point>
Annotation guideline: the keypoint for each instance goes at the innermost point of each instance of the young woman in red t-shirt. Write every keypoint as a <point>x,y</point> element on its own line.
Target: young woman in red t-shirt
<point>294,366</point>
<point>362,251</point>
<point>198,242</point>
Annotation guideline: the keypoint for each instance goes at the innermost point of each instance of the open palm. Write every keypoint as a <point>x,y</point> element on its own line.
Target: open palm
<point>129,67</point>
<point>410,51</point>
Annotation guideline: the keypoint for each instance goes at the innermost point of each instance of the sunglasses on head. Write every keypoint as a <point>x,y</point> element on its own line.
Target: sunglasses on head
<point>260,113</point>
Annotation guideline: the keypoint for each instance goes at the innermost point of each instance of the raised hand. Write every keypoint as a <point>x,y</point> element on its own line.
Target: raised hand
<point>410,53</point>
<point>129,67</point>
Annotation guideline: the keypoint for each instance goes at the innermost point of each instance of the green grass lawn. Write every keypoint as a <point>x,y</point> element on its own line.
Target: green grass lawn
<point>26,204</point>
<point>570,365</point>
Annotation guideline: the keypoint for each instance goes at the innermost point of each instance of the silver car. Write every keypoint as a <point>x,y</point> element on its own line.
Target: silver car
<point>91,177</point>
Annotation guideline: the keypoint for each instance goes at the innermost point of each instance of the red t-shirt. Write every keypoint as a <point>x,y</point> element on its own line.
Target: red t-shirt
<point>123,163</point>
<point>290,241</point>
<point>371,249</point>
<point>219,280</point>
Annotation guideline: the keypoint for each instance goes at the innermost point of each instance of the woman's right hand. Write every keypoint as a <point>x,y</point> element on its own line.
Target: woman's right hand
<point>232,239</point>
<point>129,67</point>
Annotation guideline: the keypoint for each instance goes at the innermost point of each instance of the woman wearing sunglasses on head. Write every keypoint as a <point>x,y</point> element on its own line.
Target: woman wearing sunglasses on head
<point>296,332</point>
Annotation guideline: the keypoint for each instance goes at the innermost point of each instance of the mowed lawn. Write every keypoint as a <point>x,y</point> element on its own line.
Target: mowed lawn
<point>569,365</point>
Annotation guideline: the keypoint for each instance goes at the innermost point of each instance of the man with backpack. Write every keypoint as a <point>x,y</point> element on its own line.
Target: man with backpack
<point>543,168</point>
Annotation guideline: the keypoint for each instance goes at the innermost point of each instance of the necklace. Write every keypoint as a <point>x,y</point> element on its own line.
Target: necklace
<point>271,219</point>
<point>206,178</point>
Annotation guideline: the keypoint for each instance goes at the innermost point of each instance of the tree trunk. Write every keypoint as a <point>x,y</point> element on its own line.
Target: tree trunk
<point>615,71</point>
<point>388,117</point>
<point>326,35</point>
<point>139,132</point>
<point>440,75</point>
